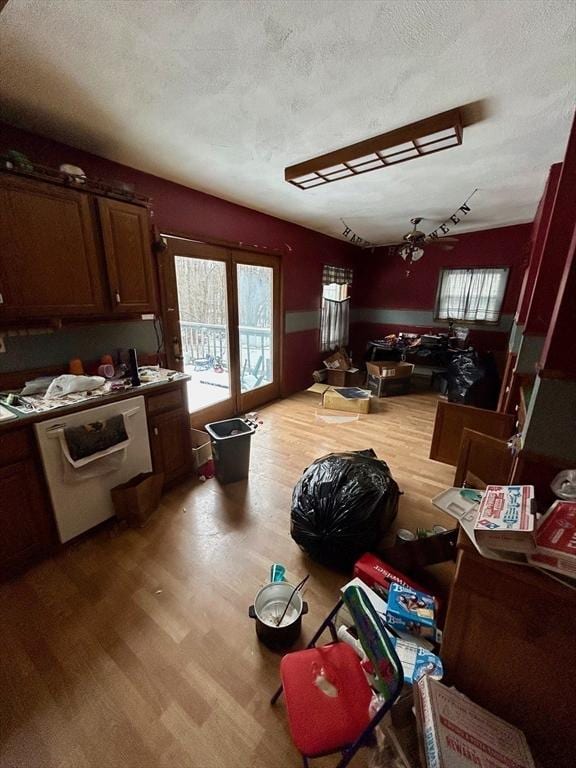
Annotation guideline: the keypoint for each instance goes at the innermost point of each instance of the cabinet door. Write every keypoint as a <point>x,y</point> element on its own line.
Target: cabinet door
<point>49,262</point>
<point>126,237</point>
<point>26,525</point>
<point>483,461</point>
<point>452,419</point>
<point>509,632</point>
<point>171,445</point>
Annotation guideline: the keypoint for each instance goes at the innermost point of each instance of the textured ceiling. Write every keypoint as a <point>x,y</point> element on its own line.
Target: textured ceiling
<point>221,96</point>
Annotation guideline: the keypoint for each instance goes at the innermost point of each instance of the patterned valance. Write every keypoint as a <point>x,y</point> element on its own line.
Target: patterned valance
<point>339,275</point>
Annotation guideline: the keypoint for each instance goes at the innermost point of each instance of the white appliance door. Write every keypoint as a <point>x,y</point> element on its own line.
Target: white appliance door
<point>81,496</point>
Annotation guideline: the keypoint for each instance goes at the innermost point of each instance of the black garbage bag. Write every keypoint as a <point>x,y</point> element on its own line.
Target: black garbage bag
<point>473,380</point>
<point>342,505</point>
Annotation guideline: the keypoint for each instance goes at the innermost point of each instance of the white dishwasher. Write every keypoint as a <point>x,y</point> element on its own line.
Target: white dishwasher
<point>80,486</point>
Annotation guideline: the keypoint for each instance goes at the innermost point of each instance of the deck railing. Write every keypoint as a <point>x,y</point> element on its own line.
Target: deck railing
<point>206,345</point>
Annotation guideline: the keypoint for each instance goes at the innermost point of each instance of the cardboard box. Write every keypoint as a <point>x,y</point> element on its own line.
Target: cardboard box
<point>386,369</point>
<point>411,611</point>
<point>556,532</point>
<point>378,575</point>
<point>337,402</point>
<point>385,387</point>
<point>339,361</point>
<point>455,732</point>
<point>350,378</point>
<point>201,447</point>
<point>505,518</point>
<point>137,499</point>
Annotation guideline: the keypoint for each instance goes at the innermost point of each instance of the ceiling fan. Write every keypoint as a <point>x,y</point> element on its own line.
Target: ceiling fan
<point>412,246</point>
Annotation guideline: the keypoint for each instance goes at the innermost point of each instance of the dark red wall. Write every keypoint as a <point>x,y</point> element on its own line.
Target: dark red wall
<point>181,209</point>
<point>384,284</point>
<point>380,280</point>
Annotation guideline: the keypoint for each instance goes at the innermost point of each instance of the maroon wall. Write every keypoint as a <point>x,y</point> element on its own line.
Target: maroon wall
<point>384,285</point>
<point>380,281</point>
<point>184,210</point>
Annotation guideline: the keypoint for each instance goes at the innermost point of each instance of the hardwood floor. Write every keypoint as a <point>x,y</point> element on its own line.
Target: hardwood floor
<point>134,647</point>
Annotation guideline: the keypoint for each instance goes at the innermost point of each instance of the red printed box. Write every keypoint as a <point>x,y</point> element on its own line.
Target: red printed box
<point>379,575</point>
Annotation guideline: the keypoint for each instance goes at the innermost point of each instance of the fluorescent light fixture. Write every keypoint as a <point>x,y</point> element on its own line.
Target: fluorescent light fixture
<point>433,134</point>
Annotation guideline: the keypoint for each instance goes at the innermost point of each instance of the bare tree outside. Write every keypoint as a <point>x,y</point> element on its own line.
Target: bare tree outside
<point>202,299</point>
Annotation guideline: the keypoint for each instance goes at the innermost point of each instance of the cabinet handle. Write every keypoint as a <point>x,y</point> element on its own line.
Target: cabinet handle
<point>156,431</point>
<point>1,299</point>
<point>117,296</point>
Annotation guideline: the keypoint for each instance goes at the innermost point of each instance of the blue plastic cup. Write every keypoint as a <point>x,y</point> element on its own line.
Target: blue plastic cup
<point>277,572</point>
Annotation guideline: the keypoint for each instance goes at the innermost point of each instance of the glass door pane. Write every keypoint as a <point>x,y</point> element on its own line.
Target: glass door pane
<point>203,307</point>
<point>255,325</point>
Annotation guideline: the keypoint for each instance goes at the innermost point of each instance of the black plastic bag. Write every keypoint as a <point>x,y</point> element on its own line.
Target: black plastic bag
<point>342,505</point>
<point>473,380</point>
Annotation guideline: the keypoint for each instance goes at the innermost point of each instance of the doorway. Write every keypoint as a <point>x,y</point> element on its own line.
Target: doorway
<point>221,311</point>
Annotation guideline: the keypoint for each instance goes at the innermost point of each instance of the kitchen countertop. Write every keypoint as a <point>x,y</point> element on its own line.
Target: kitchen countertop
<point>92,402</point>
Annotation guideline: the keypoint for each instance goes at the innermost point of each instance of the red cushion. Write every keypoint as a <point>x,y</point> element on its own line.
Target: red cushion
<point>321,724</point>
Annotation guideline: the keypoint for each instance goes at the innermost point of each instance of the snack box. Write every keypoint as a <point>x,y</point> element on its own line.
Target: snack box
<point>505,518</point>
<point>411,611</point>
<point>417,661</point>
<point>378,575</point>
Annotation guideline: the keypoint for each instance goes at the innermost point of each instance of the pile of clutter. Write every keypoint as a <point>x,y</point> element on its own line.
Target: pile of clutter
<point>452,730</point>
<point>502,523</point>
<point>407,609</point>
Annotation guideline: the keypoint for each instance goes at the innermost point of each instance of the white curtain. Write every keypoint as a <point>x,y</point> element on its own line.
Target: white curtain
<point>471,294</point>
<point>335,324</point>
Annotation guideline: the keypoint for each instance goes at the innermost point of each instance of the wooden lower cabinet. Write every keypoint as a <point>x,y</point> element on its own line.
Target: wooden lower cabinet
<point>169,429</point>
<point>509,644</point>
<point>27,529</point>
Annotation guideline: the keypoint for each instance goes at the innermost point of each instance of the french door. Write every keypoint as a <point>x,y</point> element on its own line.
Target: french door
<point>221,311</point>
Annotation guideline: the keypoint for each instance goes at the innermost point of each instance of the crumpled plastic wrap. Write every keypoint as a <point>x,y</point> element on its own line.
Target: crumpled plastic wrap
<point>342,505</point>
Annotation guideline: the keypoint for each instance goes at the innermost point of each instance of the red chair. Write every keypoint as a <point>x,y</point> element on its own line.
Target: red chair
<point>327,694</point>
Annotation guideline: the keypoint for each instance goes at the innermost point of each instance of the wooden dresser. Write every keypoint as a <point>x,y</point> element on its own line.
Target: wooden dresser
<point>510,645</point>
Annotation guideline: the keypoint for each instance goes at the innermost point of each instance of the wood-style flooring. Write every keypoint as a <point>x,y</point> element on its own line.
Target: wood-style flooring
<point>133,648</point>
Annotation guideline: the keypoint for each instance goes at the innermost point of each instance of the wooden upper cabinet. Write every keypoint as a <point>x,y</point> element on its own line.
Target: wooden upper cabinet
<point>49,261</point>
<point>126,238</point>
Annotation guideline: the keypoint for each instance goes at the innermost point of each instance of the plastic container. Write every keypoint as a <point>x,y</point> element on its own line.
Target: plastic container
<point>230,449</point>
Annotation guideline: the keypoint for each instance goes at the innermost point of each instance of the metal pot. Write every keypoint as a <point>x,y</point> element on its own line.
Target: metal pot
<point>268,607</point>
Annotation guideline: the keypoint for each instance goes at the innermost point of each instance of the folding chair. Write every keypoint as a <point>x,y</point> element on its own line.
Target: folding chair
<point>322,724</point>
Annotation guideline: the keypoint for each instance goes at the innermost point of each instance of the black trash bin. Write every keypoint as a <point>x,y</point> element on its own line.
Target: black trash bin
<point>230,449</point>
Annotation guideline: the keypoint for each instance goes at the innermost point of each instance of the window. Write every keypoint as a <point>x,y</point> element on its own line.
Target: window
<point>472,295</point>
<point>335,317</point>
<point>335,292</point>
